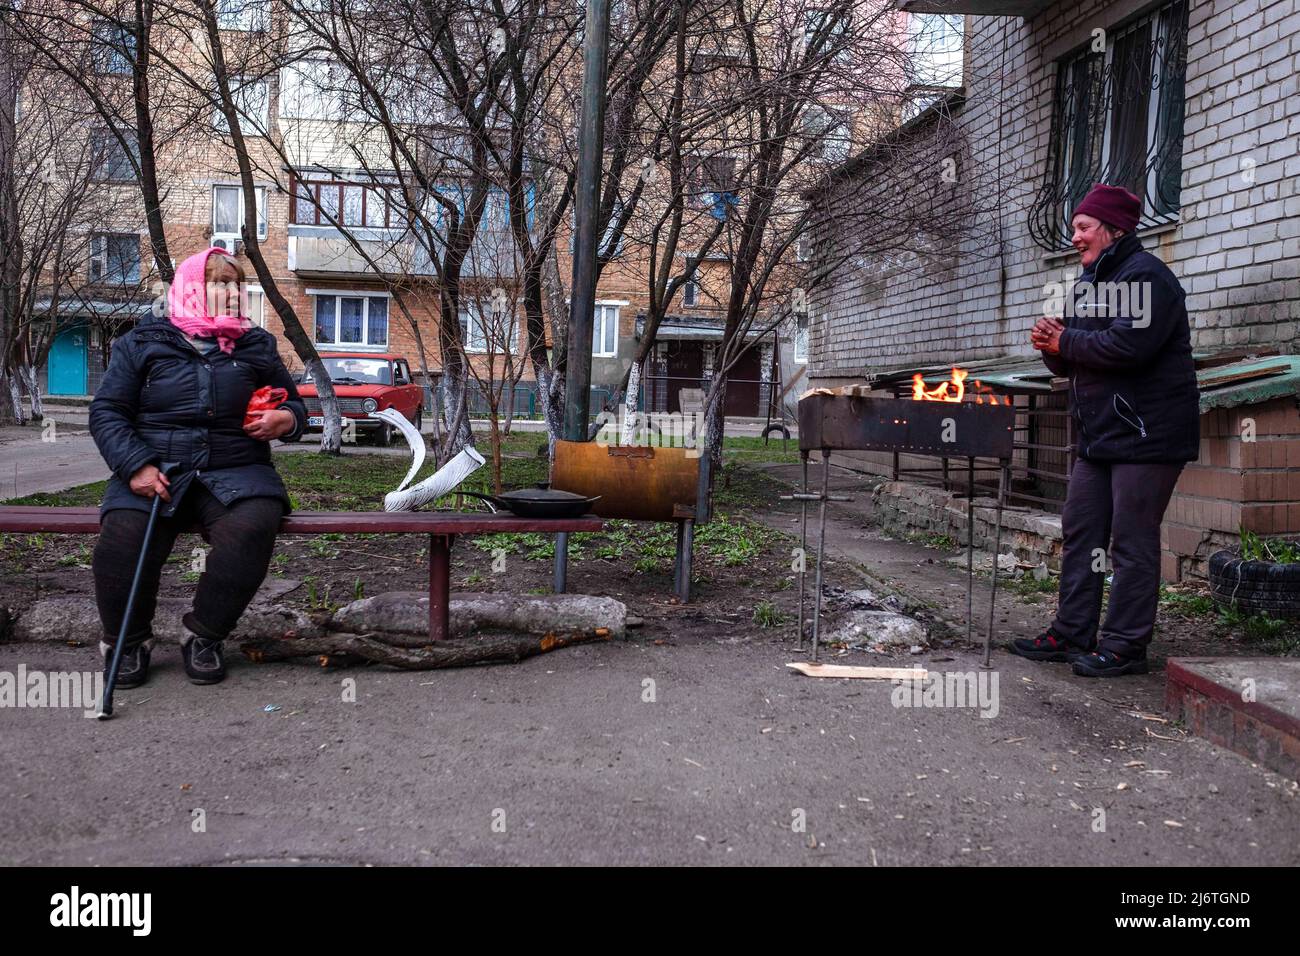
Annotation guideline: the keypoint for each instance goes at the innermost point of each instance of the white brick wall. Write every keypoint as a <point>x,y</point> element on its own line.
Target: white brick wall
<point>1236,249</point>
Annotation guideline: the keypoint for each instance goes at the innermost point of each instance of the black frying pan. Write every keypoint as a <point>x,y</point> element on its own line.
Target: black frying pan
<point>538,502</point>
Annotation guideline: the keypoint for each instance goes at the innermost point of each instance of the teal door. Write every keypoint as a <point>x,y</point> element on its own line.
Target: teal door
<point>67,364</point>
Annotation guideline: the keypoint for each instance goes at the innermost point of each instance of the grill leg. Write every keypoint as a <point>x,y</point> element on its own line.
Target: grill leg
<point>970,549</point>
<point>821,550</point>
<point>439,585</point>
<point>561,561</point>
<point>997,546</point>
<point>803,546</point>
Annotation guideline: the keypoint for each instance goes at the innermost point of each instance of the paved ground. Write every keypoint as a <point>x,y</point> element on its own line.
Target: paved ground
<point>565,753</point>
<point>570,762</point>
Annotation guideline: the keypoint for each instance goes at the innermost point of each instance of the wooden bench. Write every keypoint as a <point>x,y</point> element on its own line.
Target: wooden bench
<point>441,527</point>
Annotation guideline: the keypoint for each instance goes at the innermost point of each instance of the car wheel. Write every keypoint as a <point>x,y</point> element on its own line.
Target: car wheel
<point>419,418</point>
<point>384,437</point>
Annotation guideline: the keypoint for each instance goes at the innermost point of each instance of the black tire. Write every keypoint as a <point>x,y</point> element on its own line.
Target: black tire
<point>1255,587</point>
<point>384,436</point>
<point>419,418</point>
<point>776,427</point>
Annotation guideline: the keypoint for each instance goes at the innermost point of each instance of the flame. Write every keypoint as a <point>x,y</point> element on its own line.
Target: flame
<point>941,392</point>
<point>954,390</point>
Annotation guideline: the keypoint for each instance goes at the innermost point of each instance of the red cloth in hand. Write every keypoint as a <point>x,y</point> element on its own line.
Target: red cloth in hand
<point>265,399</point>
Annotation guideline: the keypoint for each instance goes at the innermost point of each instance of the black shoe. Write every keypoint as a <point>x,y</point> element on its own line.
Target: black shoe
<point>1045,647</point>
<point>203,661</point>
<point>134,669</point>
<point>1103,663</point>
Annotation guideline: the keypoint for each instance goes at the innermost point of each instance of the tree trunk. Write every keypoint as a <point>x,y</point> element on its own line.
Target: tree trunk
<point>28,376</point>
<point>630,393</point>
<point>715,421</point>
<point>456,652</point>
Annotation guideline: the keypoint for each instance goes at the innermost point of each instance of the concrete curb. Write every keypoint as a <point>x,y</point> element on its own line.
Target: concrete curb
<point>1218,713</point>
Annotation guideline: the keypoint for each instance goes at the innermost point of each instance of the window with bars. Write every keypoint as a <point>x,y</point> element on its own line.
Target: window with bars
<point>1118,119</point>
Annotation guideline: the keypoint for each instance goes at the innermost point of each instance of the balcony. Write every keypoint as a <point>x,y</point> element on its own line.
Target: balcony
<point>316,252</point>
<point>984,8</point>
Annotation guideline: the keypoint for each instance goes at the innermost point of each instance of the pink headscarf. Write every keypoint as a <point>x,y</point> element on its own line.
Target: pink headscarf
<point>187,304</point>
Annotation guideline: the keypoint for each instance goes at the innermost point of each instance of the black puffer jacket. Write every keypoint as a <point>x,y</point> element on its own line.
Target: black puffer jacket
<point>1133,388</point>
<point>161,400</point>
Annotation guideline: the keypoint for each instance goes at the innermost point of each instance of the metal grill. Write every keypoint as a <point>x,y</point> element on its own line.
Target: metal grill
<point>346,405</point>
<point>853,422</point>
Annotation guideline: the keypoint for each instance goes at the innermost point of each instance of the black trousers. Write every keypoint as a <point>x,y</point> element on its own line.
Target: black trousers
<point>1113,510</point>
<point>242,538</point>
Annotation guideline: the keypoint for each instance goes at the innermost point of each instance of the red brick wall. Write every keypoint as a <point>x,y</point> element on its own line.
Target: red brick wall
<point>1235,484</point>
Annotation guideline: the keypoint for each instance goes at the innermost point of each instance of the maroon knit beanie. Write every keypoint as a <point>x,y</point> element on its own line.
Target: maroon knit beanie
<point>1113,205</point>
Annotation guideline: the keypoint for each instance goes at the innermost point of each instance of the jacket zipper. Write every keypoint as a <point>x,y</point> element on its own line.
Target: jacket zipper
<point>1140,425</point>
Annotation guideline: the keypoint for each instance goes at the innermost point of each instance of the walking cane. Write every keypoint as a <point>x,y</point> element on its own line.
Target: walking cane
<point>106,705</point>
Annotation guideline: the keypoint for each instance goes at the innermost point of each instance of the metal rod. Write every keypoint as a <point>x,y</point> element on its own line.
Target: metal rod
<point>997,546</point>
<point>970,548</point>
<point>115,664</point>
<point>803,543</point>
<point>821,550</point>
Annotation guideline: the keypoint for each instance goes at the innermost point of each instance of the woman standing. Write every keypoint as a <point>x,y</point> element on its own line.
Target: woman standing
<point>177,389</point>
<point>1126,348</point>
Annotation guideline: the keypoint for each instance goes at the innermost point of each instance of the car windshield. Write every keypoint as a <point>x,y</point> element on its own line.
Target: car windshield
<point>357,371</point>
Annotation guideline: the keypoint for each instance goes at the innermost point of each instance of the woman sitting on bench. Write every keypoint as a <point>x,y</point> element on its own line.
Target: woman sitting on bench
<point>177,390</point>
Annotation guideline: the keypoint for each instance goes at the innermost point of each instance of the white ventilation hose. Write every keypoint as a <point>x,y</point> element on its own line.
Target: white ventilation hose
<point>441,482</point>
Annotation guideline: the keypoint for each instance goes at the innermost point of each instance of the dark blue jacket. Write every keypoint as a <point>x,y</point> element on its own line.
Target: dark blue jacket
<point>162,400</point>
<point>1133,388</point>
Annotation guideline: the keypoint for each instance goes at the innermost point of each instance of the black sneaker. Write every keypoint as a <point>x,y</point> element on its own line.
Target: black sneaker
<point>134,669</point>
<point>1045,647</point>
<point>203,661</point>
<point>1103,663</point>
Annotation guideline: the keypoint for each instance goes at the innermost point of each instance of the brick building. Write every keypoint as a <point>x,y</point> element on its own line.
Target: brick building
<point>1193,105</point>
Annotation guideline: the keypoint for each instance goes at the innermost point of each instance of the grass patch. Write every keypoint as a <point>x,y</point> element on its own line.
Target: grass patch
<point>766,615</point>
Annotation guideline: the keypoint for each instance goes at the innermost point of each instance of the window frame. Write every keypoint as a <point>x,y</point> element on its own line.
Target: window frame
<point>99,257</point>
<point>1088,102</point>
<point>103,138</point>
<point>335,344</point>
<point>263,224</point>
<point>600,321</point>
<point>253,16</point>
<point>105,32</point>
<point>248,125</point>
<point>471,318</point>
<point>392,216</point>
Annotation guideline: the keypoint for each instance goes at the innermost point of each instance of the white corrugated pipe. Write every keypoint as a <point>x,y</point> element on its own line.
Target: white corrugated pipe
<point>441,482</point>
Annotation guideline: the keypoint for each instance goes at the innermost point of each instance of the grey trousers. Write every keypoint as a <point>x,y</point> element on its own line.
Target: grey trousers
<point>1113,510</point>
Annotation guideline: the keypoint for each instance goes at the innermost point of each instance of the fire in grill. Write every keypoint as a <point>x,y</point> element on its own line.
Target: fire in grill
<point>961,429</point>
<point>947,420</point>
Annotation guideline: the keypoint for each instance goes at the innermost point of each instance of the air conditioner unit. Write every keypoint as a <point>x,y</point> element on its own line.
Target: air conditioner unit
<point>226,240</point>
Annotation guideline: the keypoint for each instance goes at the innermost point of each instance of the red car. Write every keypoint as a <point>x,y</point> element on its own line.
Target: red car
<point>365,382</point>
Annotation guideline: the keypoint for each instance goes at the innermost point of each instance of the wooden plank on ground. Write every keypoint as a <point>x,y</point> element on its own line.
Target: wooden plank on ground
<point>809,669</point>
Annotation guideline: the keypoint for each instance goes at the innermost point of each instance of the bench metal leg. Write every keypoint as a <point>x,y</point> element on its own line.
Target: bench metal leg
<point>688,548</point>
<point>440,585</point>
<point>561,561</point>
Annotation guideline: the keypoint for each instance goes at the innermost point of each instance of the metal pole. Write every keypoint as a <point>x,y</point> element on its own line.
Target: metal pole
<point>997,546</point>
<point>821,548</point>
<point>803,544</point>
<point>970,547</point>
<point>591,148</point>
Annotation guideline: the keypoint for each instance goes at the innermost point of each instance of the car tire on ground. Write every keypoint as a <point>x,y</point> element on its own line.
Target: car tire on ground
<point>1255,587</point>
